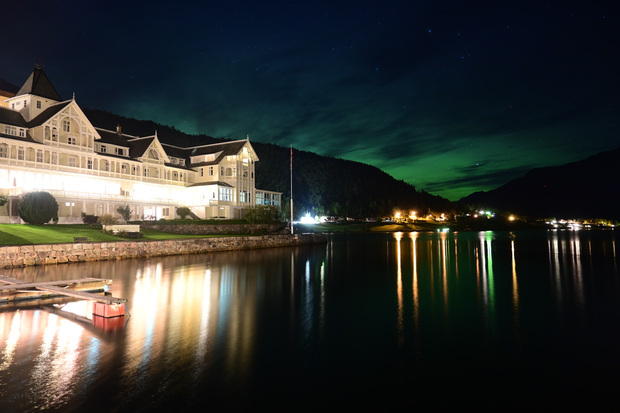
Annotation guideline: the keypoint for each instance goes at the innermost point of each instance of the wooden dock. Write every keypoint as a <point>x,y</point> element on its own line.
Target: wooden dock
<point>12,290</point>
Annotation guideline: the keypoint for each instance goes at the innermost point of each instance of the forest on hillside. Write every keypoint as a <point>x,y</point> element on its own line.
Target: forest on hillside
<point>321,185</point>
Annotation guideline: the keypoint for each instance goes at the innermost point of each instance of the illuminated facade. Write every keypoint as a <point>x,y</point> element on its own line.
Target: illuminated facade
<point>47,144</point>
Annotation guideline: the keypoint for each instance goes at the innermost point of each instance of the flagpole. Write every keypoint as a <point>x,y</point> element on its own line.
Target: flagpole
<point>291,189</point>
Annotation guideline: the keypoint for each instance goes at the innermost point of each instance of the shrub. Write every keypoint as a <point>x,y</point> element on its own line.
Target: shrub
<point>261,215</point>
<point>125,212</point>
<point>183,212</point>
<point>89,219</point>
<point>3,200</point>
<point>37,207</point>
<point>107,219</point>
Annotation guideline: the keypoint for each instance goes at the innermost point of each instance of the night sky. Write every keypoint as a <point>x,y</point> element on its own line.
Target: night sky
<point>450,96</point>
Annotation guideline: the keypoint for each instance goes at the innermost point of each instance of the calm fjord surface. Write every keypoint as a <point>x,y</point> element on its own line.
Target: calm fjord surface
<point>434,320</point>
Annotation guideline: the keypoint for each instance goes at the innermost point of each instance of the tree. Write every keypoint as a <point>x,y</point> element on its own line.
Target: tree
<point>125,212</point>
<point>3,200</point>
<point>37,207</point>
<point>183,212</point>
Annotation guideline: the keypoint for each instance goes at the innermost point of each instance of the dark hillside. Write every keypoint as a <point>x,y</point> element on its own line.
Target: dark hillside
<point>321,185</point>
<point>583,189</point>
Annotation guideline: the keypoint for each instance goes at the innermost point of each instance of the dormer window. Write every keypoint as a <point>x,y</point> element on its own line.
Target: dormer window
<point>119,151</point>
<point>103,149</point>
<point>38,104</point>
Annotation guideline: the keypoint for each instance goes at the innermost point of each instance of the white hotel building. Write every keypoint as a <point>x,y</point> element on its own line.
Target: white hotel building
<point>47,144</point>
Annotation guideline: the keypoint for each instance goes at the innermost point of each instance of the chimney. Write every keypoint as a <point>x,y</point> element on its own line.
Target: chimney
<point>118,130</point>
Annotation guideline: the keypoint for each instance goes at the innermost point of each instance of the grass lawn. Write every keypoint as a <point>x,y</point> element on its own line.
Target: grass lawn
<point>18,234</point>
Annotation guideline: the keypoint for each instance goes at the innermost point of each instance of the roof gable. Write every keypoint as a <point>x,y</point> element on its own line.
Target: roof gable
<point>48,113</point>
<point>140,148</point>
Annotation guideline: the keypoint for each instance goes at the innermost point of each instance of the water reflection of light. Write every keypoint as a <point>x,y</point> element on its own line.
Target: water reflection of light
<point>488,279</point>
<point>150,289</point>
<point>201,348</point>
<point>576,261</point>
<point>399,287</point>
<point>11,342</point>
<point>515,288</point>
<point>56,367</point>
<point>414,290</point>
<point>444,268</point>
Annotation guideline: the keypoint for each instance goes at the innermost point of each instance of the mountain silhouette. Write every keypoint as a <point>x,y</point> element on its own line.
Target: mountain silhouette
<point>582,189</point>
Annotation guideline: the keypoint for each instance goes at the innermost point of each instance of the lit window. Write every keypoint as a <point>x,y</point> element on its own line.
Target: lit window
<point>225,194</point>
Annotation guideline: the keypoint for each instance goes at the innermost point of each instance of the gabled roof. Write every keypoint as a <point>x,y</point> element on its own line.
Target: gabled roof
<point>175,151</point>
<point>38,84</point>
<point>220,183</point>
<point>114,138</point>
<point>138,146</point>
<point>12,117</point>
<point>48,113</point>
<point>222,149</point>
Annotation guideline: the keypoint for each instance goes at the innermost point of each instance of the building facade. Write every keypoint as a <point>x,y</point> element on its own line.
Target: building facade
<point>47,144</point>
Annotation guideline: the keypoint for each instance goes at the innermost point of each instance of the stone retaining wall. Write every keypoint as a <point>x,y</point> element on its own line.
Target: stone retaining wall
<point>27,255</point>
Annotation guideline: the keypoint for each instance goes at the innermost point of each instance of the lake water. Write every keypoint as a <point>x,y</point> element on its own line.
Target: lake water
<point>497,320</point>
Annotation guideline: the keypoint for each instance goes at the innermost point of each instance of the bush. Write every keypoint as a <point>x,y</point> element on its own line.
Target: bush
<point>37,207</point>
<point>107,219</point>
<point>183,212</point>
<point>3,200</point>
<point>89,219</point>
<point>261,215</point>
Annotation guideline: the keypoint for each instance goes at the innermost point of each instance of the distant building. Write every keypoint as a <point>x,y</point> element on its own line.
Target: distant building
<point>47,144</point>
